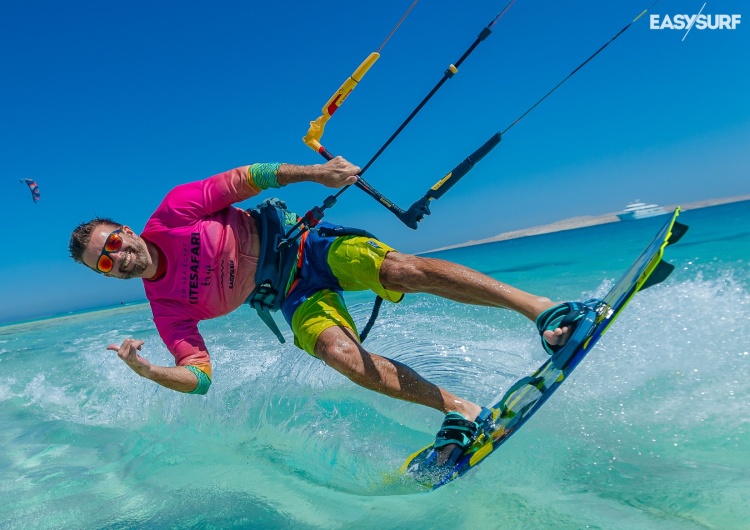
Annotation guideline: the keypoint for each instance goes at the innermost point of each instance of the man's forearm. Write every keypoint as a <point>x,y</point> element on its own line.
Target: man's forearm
<point>334,174</point>
<point>176,378</point>
<point>290,173</point>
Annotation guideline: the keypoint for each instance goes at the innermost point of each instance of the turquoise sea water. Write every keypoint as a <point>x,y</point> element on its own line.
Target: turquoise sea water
<point>650,431</point>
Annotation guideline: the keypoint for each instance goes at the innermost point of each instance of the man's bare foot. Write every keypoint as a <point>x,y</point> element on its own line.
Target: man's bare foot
<point>558,337</point>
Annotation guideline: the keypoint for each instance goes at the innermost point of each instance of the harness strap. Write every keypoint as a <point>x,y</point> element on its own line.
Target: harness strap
<point>276,262</point>
<point>267,318</point>
<point>373,317</point>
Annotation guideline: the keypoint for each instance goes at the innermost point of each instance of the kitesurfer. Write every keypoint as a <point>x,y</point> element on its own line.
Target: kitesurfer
<point>198,255</point>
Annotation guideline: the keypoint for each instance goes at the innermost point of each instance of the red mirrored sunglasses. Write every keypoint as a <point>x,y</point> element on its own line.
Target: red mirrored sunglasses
<point>112,244</point>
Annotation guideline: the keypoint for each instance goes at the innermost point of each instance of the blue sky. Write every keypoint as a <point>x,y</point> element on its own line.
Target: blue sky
<point>108,105</point>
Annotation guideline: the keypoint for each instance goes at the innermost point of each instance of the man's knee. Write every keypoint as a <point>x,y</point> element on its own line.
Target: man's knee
<point>339,348</point>
<point>401,272</point>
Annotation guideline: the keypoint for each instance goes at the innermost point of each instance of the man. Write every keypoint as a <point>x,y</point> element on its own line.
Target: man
<point>198,256</point>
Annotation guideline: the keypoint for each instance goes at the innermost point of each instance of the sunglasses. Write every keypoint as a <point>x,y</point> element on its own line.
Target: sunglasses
<point>112,244</point>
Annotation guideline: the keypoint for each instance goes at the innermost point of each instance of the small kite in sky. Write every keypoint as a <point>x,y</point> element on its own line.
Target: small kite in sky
<point>33,187</point>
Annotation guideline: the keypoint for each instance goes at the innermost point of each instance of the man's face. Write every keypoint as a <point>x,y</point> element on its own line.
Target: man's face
<point>129,261</point>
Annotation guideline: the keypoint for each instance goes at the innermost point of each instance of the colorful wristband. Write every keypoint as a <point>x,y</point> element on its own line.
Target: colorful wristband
<point>265,175</point>
<point>203,380</point>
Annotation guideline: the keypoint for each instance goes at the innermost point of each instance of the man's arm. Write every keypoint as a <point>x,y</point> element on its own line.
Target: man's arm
<point>335,173</point>
<point>201,198</point>
<point>177,378</point>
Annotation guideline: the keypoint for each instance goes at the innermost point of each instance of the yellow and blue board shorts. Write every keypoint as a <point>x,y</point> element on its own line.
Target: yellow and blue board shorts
<point>329,266</point>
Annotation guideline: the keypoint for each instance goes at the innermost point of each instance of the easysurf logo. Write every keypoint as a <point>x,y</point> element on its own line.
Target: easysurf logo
<point>698,21</point>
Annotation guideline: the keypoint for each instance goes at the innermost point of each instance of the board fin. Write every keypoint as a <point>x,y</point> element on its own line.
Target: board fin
<point>678,230</point>
<point>661,273</point>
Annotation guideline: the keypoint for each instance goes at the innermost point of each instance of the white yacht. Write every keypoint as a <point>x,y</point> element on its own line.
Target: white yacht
<point>640,210</point>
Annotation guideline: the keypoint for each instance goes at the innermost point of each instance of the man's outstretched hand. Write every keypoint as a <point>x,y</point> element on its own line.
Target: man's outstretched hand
<point>128,352</point>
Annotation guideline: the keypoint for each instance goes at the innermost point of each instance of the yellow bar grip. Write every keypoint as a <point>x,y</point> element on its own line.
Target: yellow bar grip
<point>315,132</point>
<point>441,181</point>
<point>346,88</point>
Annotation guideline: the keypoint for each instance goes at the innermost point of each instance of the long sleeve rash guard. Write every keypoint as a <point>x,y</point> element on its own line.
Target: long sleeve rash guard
<point>211,251</point>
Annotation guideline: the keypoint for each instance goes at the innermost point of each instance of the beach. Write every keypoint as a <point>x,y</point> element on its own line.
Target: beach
<point>582,221</point>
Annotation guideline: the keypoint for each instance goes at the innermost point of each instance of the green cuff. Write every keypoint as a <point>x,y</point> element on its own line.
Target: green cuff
<point>203,380</point>
<point>265,175</point>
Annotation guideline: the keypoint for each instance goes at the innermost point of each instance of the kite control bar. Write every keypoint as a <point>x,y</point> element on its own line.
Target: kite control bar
<point>410,217</point>
<point>416,212</point>
<point>420,208</point>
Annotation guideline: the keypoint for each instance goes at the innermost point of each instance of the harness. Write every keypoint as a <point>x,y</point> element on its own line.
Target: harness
<point>279,255</point>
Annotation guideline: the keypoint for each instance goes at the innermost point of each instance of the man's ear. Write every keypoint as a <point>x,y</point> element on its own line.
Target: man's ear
<point>128,230</point>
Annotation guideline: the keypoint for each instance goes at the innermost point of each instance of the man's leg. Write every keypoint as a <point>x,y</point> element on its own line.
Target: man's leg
<point>339,348</point>
<point>411,274</point>
<point>360,263</point>
<point>364,263</point>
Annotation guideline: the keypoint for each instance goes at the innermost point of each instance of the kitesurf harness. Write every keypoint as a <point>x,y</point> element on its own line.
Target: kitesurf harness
<point>276,261</point>
<point>279,255</point>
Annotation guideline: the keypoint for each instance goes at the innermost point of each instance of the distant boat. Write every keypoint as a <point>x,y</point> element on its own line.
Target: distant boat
<point>640,210</point>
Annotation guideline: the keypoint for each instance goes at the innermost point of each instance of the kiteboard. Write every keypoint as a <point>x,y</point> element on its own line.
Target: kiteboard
<point>528,394</point>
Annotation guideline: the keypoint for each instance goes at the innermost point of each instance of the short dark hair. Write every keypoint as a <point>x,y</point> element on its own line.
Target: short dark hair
<point>81,236</point>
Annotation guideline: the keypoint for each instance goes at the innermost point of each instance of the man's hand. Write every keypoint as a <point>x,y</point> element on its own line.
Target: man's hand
<point>127,351</point>
<point>173,377</point>
<point>335,173</point>
<point>338,173</point>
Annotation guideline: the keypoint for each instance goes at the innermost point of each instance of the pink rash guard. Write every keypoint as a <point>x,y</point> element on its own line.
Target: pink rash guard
<point>211,251</point>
